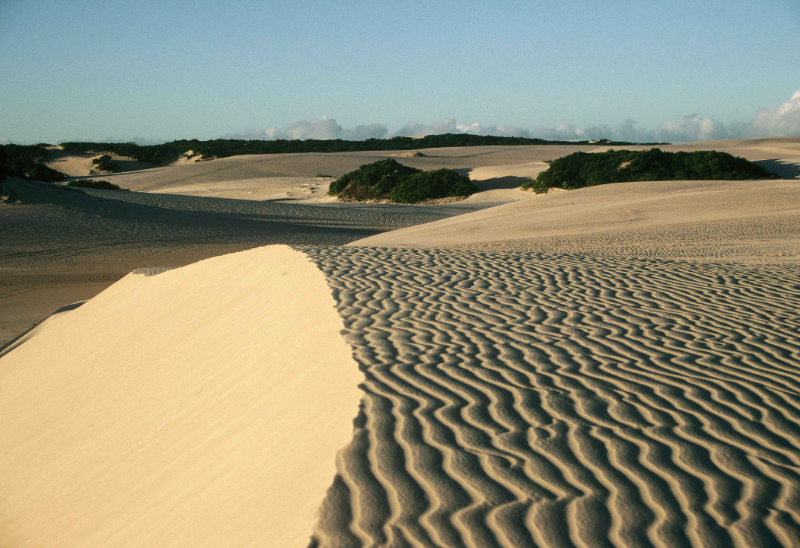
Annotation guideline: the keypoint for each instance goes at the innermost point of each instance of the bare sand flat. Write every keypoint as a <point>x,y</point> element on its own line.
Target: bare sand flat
<point>202,406</point>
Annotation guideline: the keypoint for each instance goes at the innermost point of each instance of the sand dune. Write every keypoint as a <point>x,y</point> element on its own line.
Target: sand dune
<point>60,246</point>
<point>530,399</point>
<point>80,165</point>
<point>699,220</point>
<point>202,406</point>
<point>293,176</point>
<point>612,366</point>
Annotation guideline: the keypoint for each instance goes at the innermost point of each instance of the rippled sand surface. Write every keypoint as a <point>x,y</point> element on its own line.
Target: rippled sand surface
<point>531,399</point>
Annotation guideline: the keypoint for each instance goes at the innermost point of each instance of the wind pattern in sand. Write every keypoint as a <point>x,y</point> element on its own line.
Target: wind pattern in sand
<point>523,399</point>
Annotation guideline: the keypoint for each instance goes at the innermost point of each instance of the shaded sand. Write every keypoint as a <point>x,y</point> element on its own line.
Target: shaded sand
<point>532,399</point>
<point>702,220</point>
<point>267,188</point>
<point>60,246</point>
<point>202,406</point>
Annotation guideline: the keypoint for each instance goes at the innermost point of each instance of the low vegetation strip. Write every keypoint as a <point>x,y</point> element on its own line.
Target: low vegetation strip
<point>391,180</point>
<point>94,183</point>
<point>27,162</point>
<point>582,169</point>
<point>222,148</point>
<point>105,163</point>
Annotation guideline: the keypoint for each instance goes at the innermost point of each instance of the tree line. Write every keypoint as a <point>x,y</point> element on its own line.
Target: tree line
<point>223,148</point>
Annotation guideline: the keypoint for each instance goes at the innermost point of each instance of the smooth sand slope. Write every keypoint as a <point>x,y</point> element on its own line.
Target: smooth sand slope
<point>202,406</point>
<point>702,220</point>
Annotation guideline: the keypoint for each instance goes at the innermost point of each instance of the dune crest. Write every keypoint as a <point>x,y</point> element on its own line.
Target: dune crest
<point>201,406</point>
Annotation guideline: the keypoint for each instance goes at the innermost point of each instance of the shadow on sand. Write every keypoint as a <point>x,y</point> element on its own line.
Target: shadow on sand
<point>784,168</point>
<point>509,181</point>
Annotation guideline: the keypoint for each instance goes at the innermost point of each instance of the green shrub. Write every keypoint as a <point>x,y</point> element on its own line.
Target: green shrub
<point>428,185</point>
<point>371,181</point>
<point>93,183</point>
<point>105,163</point>
<point>222,148</point>
<point>389,179</point>
<point>27,162</point>
<point>582,169</point>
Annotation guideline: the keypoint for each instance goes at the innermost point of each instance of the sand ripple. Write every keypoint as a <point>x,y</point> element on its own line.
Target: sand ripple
<point>524,399</point>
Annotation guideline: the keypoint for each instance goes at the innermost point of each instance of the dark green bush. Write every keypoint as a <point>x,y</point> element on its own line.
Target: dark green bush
<point>151,154</point>
<point>582,169</point>
<point>222,148</point>
<point>105,163</point>
<point>442,183</point>
<point>93,183</point>
<point>371,181</point>
<point>389,179</point>
<point>27,162</point>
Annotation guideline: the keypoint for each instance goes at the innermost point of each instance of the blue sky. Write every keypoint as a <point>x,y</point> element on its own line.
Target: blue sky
<point>92,70</point>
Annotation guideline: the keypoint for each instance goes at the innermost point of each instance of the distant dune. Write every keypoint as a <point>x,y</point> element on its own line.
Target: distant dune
<point>294,176</point>
<point>698,220</point>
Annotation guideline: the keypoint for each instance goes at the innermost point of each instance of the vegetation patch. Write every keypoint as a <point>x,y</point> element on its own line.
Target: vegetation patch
<point>27,162</point>
<point>93,183</point>
<point>105,163</point>
<point>390,180</point>
<point>222,148</point>
<point>582,169</point>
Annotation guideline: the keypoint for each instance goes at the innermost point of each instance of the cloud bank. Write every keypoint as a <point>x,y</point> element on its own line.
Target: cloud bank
<point>323,128</point>
<point>781,121</point>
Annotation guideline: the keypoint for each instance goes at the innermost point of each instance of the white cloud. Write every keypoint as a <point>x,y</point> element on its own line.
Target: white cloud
<point>563,132</point>
<point>783,120</point>
<point>692,128</point>
<point>501,131</point>
<point>449,125</point>
<point>413,129</point>
<point>4,141</point>
<point>322,128</point>
<point>359,133</point>
<point>268,134</point>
